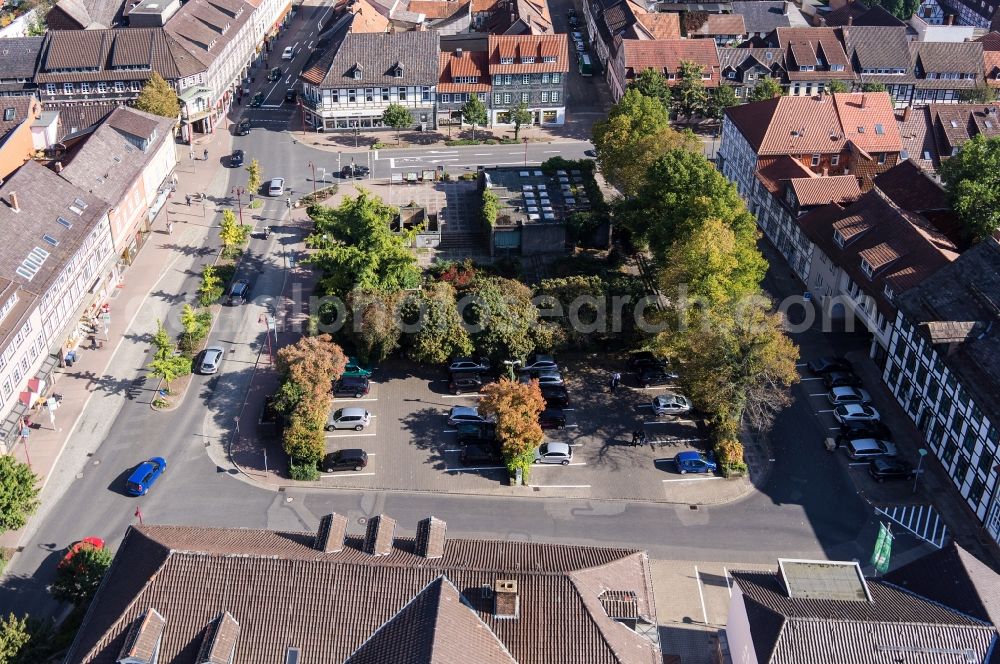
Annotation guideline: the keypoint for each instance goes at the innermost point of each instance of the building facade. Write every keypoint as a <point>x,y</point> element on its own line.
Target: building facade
<point>529,70</point>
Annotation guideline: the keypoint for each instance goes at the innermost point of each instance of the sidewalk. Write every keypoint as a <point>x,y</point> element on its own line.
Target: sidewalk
<point>104,372</point>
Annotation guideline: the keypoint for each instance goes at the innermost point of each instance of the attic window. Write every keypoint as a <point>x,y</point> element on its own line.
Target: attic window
<point>861,130</point>
<point>78,206</point>
<point>527,59</point>
<point>51,240</point>
<point>65,223</point>
<point>292,656</point>
<point>552,58</point>
<point>867,268</point>
<point>397,71</point>
<point>506,61</point>
<point>879,129</point>
<point>838,239</point>
<point>357,74</point>
<point>8,114</point>
<point>954,124</point>
<point>889,293</point>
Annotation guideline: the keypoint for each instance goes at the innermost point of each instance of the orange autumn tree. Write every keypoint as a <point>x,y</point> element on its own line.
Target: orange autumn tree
<point>515,408</point>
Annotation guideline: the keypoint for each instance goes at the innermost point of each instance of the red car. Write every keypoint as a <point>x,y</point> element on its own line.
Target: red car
<point>86,542</point>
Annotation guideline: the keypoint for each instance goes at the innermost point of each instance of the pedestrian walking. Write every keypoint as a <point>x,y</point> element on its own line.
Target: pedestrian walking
<point>170,228</point>
<point>642,440</point>
<point>188,197</point>
<point>616,379</point>
<point>206,154</point>
<point>288,202</point>
<point>636,437</point>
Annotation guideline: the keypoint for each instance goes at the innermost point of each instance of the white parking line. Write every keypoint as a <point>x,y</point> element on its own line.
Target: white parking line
<point>552,465</point>
<point>820,394</point>
<point>645,405</point>
<point>694,479</point>
<point>834,428</point>
<point>569,410</point>
<point>825,411</point>
<point>461,396</point>
<point>455,449</point>
<point>802,380</point>
<point>701,595</point>
<point>349,475</point>
<point>348,435</point>
<point>450,431</point>
<point>560,486</point>
<point>354,400</point>
<point>802,364</point>
<point>462,470</point>
<point>656,387</point>
<point>571,426</point>
<point>858,463</point>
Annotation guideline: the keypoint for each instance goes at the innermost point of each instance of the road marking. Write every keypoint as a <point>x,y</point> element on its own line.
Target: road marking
<point>513,153</point>
<point>821,394</point>
<point>457,449</point>
<point>462,470</point>
<point>645,405</point>
<point>550,151</point>
<point>310,42</point>
<point>701,596</point>
<point>569,410</point>
<point>694,479</point>
<point>805,379</point>
<point>729,587</point>
<point>462,396</point>
<point>571,426</point>
<point>544,465</point>
<point>349,475</point>
<point>355,400</point>
<point>289,79</point>
<point>655,387</point>
<point>561,486</point>
<point>825,411</point>
<point>802,364</point>
<point>834,428</point>
<point>858,463</point>
<point>348,435</point>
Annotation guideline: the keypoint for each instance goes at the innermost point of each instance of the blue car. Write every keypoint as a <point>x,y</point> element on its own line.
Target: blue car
<point>694,462</point>
<point>143,477</point>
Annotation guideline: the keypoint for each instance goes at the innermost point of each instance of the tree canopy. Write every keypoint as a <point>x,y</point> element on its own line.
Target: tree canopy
<point>836,86</point>
<point>440,333</point>
<point>474,112</point>
<point>77,579</point>
<point>357,248</point>
<point>689,95</point>
<point>520,115</point>
<point>651,83</point>
<point>398,117</point>
<point>719,100</point>
<point>766,88</point>
<point>14,636</point>
<point>158,98</point>
<point>502,311</point>
<point>972,178</point>
<point>515,407</point>
<point>18,493</point>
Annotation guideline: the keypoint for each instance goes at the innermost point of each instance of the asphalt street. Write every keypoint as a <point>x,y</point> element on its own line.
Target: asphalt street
<point>806,508</point>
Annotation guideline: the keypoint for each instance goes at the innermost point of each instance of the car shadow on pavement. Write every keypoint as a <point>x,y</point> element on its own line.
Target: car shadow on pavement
<point>426,428</point>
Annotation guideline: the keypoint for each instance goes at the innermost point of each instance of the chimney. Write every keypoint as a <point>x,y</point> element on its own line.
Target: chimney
<point>822,22</point>
<point>430,537</point>
<point>826,171</point>
<point>864,100</point>
<point>458,52</point>
<point>505,600</point>
<point>850,21</point>
<point>378,537</point>
<point>13,202</point>
<point>949,19</point>
<point>906,113</point>
<point>331,532</point>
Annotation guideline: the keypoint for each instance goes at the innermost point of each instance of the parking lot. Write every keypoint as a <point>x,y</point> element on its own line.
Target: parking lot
<point>411,446</point>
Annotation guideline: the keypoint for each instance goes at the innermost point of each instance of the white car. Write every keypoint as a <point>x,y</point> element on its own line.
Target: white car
<point>288,53</point>
<point>554,453</point>
<point>348,418</point>
<point>211,359</point>
<point>671,403</point>
<point>841,395</point>
<point>276,187</point>
<point>856,412</point>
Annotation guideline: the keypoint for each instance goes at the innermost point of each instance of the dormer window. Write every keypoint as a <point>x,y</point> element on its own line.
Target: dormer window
<point>889,294</point>
<point>357,74</point>
<point>731,75</point>
<point>867,268</point>
<point>527,59</point>
<point>397,71</point>
<point>549,58</point>
<point>838,239</point>
<point>506,61</point>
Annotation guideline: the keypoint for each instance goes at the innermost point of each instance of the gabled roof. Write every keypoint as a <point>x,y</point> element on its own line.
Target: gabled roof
<point>879,47</point>
<point>205,28</point>
<point>538,47</point>
<point>101,54</point>
<point>414,55</point>
<point>437,9</point>
<point>15,111</point>
<point>750,57</point>
<point>943,57</point>
<point>371,606</point>
<point>786,630</point>
<point>991,68</point>
<point>810,191</point>
<point>763,16</point>
<point>91,14</point>
<point>911,188</point>
<point>466,64</point>
<point>990,41</point>
<point>719,24</point>
<point>659,26</point>
<point>19,56</point>
<point>857,14</point>
<point>954,124</point>
<point>666,55</point>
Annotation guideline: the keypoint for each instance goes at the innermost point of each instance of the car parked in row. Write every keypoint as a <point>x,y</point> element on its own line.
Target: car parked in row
<point>554,453</point>
<point>355,368</point>
<point>459,414</point>
<point>543,377</point>
<point>652,377</point>
<point>891,469</point>
<point>476,433</point>
<point>539,363</point>
<point>211,358</point>
<point>348,418</point>
<point>671,404</point>
<point>644,359</point>
<point>555,395</point>
<point>465,383</point>
<point>352,459</point>
<point>855,429</point>
<point>145,475</point>
<point>823,365</point>
<point>468,364</point>
<point>692,461</point>
<point>841,379</point>
<point>869,448</point>
<point>855,412</point>
<point>552,418</point>
<point>480,455</point>
<point>351,386</point>
<point>843,395</point>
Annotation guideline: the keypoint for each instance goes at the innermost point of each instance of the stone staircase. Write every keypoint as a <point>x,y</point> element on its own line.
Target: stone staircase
<point>464,240</point>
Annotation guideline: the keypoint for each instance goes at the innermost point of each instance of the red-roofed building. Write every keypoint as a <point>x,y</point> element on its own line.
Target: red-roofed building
<point>813,58</point>
<point>664,56</point>
<point>463,73</point>
<point>773,149</point>
<point>530,69</point>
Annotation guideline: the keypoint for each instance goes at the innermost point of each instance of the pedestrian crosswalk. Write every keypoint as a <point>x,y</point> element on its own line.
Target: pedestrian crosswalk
<point>921,520</point>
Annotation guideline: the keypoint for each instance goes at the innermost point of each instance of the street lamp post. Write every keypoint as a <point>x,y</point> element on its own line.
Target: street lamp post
<point>525,139</point>
<point>916,476</point>
<point>238,192</point>
<point>313,167</point>
<point>510,364</point>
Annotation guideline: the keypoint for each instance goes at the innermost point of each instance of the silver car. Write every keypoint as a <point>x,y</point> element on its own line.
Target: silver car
<point>543,377</point>
<point>843,395</point>
<point>554,453</point>
<point>276,187</point>
<point>348,418</point>
<point>211,359</point>
<point>671,403</point>
<point>461,414</point>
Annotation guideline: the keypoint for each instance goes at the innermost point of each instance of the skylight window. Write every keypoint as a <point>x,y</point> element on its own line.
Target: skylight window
<point>8,114</point>
<point>64,222</point>
<point>879,129</point>
<point>78,206</point>
<point>51,240</point>
<point>861,130</point>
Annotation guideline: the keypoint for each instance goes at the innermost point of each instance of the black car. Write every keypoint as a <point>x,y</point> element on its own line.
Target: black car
<point>353,171</point>
<point>643,360</point>
<point>275,74</point>
<point>344,460</point>
<point>890,469</point>
<point>242,128</point>
<point>351,386</point>
<point>239,292</point>
<point>462,383</point>
<point>477,433</point>
<point>291,96</point>
<point>824,365</point>
<point>650,377</point>
<point>236,158</point>
<point>552,418</point>
<point>477,365</point>
<point>555,395</point>
<point>856,430</point>
<point>258,100</point>
<point>841,379</point>
<point>479,455</point>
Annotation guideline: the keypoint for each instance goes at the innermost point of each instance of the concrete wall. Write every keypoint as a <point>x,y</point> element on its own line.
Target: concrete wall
<point>543,238</point>
<point>738,634</point>
<point>20,145</point>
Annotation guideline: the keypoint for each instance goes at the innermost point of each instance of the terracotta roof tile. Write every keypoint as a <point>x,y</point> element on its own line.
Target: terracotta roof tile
<point>465,64</point>
<point>436,9</point>
<point>535,46</point>
<point>663,25</point>
<point>944,57</point>
<point>991,68</point>
<point>811,191</point>
<point>666,55</point>
<point>721,24</point>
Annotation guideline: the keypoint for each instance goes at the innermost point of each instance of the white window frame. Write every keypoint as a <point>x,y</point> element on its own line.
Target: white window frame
<point>525,79</point>
<point>445,98</point>
<point>867,268</point>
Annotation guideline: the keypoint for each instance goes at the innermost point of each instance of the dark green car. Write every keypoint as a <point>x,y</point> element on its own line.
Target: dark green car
<point>275,74</point>
<point>354,368</point>
<point>258,100</point>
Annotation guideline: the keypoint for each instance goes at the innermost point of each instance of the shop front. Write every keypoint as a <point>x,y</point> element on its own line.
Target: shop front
<point>90,320</point>
<point>26,409</point>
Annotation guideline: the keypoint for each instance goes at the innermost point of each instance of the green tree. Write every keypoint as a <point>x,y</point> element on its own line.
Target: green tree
<point>653,84</point>
<point>981,94</point>
<point>18,493</point>
<point>398,117</point>
<point>162,343</point>
<point>233,234</point>
<point>77,580</point>
<point>490,209</point>
<point>873,86</point>
<point>474,112</point>
<point>375,326</point>
<point>766,88</point>
<point>196,325</point>
<point>683,190</point>
<point>169,369</point>
<point>505,317</point>
<point>158,98</point>
<point>719,100</point>
<point>901,9</point>
<point>972,178</point>
<point>253,176</point>
<point>355,247</point>
<point>515,407</point>
<point>836,86</point>
<point>14,636</point>
<point>689,95</point>
<point>439,331</point>
<point>636,132</point>
<point>520,115</point>
<point>210,289</point>
<point>37,27</point>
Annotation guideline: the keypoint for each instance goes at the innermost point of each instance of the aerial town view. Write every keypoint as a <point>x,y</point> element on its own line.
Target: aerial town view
<point>500,331</point>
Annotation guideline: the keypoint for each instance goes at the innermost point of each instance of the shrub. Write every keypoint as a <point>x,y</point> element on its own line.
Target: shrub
<point>491,207</point>
<point>729,455</point>
<point>462,141</point>
<point>320,195</point>
<point>302,471</point>
<point>467,176</point>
